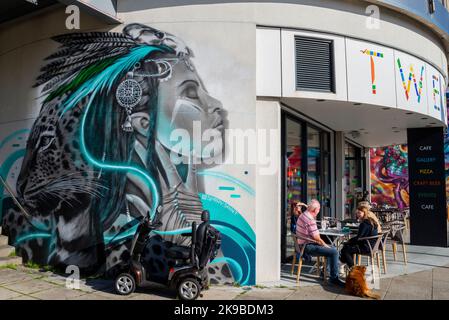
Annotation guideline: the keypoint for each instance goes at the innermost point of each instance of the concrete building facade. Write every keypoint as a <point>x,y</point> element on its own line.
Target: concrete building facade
<point>284,97</point>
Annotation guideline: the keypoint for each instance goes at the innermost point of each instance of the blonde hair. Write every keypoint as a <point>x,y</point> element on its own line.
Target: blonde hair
<point>371,217</point>
<point>364,204</point>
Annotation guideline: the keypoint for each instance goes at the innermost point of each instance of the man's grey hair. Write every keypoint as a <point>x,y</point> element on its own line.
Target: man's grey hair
<point>313,204</point>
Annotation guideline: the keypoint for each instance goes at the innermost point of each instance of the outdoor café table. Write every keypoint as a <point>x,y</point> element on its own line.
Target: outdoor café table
<point>335,236</point>
<point>353,227</point>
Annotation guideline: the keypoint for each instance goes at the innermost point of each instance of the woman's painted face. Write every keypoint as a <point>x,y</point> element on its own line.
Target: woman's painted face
<point>185,104</point>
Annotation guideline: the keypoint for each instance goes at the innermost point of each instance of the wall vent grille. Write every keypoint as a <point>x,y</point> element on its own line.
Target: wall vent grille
<point>314,64</point>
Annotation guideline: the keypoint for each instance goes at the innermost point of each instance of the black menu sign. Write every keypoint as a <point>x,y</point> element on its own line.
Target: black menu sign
<point>428,217</point>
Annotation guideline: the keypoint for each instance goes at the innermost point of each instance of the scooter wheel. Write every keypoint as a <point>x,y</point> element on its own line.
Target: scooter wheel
<point>189,289</point>
<point>125,284</point>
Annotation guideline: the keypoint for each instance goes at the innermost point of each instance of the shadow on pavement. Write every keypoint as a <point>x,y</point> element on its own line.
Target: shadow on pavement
<point>108,287</point>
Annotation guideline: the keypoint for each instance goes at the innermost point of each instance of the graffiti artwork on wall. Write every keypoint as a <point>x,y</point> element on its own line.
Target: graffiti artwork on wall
<point>389,176</point>
<point>98,157</point>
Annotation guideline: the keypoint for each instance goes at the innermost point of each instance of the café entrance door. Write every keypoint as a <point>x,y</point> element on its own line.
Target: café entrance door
<point>354,178</point>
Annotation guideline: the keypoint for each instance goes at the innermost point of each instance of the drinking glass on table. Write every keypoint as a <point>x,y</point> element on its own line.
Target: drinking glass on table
<point>323,224</point>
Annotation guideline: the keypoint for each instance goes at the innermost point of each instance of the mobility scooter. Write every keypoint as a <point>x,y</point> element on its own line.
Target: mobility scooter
<point>188,275</point>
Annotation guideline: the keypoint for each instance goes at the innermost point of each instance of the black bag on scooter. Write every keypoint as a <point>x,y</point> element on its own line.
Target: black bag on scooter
<point>209,247</point>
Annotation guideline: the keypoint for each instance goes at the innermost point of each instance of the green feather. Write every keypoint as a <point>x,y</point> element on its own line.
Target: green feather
<point>82,77</point>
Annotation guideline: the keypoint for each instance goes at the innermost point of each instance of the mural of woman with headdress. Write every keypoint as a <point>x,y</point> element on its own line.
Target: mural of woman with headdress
<point>182,103</point>
<point>101,154</point>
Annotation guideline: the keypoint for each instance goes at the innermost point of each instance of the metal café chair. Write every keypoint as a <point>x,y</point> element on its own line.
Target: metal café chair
<point>383,247</point>
<point>374,251</point>
<point>298,257</point>
<point>396,235</point>
<point>405,217</point>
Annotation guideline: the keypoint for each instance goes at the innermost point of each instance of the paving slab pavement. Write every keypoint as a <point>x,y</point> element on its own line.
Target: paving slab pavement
<point>316,293</point>
<point>266,294</point>
<point>441,273</point>
<point>385,283</point>
<point>58,293</point>
<point>222,293</point>
<point>10,276</point>
<point>426,275</point>
<point>29,284</point>
<point>440,294</point>
<point>91,296</point>
<point>24,297</point>
<point>8,294</point>
<point>440,285</point>
<point>149,297</point>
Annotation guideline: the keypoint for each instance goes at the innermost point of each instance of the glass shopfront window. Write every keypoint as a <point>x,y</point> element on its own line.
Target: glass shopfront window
<point>354,178</point>
<point>306,167</point>
<point>313,164</point>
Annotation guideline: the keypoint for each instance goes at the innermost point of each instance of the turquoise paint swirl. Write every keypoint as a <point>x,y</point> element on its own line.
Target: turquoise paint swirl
<point>103,82</point>
<point>238,238</point>
<point>228,178</point>
<point>12,136</point>
<point>31,236</point>
<point>4,170</point>
<point>234,265</point>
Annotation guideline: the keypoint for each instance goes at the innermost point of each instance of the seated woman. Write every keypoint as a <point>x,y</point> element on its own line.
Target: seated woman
<point>369,226</point>
<point>295,213</point>
<point>297,208</point>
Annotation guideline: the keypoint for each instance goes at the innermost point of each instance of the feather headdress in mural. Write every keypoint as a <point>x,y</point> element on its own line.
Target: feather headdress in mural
<point>90,66</point>
<point>82,56</point>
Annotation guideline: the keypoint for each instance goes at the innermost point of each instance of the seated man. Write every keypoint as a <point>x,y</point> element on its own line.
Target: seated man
<point>308,234</point>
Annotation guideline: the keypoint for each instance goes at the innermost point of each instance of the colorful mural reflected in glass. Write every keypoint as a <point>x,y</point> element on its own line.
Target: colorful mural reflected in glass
<point>389,176</point>
<point>446,152</point>
<point>98,158</point>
